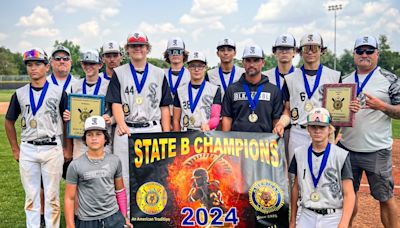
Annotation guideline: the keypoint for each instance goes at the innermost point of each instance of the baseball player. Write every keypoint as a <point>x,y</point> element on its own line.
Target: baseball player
<point>303,90</point>
<point>370,139</point>
<point>140,98</point>
<point>93,85</point>
<point>323,178</point>
<point>61,66</point>
<point>197,105</point>
<point>251,104</point>
<point>227,72</point>
<point>96,178</point>
<point>111,58</point>
<point>284,50</point>
<point>40,154</point>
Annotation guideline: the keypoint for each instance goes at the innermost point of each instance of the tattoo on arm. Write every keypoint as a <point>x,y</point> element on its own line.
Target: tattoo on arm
<point>393,111</point>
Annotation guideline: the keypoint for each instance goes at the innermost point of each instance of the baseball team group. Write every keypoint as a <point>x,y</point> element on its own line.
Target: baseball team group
<point>326,164</point>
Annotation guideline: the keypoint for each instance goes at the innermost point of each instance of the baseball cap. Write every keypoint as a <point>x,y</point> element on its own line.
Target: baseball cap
<point>367,41</point>
<point>253,51</point>
<point>37,54</point>
<point>312,39</point>
<point>319,116</point>
<point>175,43</point>
<point>137,38</point>
<point>197,56</point>
<point>60,48</point>
<point>285,40</point>
<point>226,42</point>
<point>95,123</point>
<point>111,47</point>
<point>90,56</point>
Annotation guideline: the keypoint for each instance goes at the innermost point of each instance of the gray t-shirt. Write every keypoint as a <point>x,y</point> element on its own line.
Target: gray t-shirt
<point>96,188</point>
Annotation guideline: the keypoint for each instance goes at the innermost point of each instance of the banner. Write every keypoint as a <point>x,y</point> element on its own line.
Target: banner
<point>212,179</point>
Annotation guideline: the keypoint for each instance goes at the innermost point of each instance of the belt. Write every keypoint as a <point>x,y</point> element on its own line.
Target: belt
<point>322,211</point>
<point>43,142</point>
<point>141,125</point>
<point>300,126</point>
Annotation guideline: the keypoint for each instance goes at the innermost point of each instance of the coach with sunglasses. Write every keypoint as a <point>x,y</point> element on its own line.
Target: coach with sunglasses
<point>370,139</point>
<point>61,66</point>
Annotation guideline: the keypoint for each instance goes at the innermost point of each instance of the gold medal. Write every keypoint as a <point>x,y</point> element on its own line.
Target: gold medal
<point>308,106</point>
<point>253,117</point>
<point>139,100</point>
<point>125,108</point>
<point>192,120</point>
<point>23,122</point>
<point>315,197</point>
<point>33,123</point>
<point>185,120</point>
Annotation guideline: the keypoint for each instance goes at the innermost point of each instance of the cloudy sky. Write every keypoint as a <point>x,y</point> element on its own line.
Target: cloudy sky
<point>201,23</point>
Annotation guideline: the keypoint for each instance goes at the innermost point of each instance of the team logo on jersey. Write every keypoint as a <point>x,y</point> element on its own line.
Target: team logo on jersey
<point>125,109</point>
<point>266,196</point>
<point>337,103</point>
<point>185,121</point>
<point>23,122</point>
<point>84,114</point>
<point>151,198</point>
<point>295,114</point>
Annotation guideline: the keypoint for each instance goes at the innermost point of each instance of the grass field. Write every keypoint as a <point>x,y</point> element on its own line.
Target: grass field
<point>6,94</point>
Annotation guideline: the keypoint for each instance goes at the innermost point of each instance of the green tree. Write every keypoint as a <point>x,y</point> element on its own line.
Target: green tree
<point>345,63</point>
<point>8,65</point>
<point>389,60</point>
<point>76,68</point>
<point>270,62</point>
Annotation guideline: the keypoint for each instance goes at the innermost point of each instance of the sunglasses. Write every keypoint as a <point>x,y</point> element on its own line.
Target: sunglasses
<point>59,58</point>
<point>319,117</point>
<point>312,48</point>
<point>175,52</point>
<point>366,51</point>
<point>196,66</point>
<point>33,54</point>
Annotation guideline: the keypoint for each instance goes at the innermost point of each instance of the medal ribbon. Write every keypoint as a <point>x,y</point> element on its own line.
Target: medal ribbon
<point>221,76</point>
<point>67,81</point>
<point>359,89</point>
<point>278,77</point>
<point>323,163</point>
<point>139,86</point>
<point>173,87</point>
<point>105,76</point>
<point>197,98</point>
<point>253,102</point>
<point>307,86</point>
<point>41,98</point>
<point>96,90</point>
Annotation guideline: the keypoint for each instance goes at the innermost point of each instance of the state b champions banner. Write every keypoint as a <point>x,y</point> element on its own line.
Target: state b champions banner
<point>212,179</point>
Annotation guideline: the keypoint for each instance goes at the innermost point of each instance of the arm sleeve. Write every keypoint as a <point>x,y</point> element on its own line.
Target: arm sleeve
<point>114,90</point>
<point>63,103</point>
<point>119,169</point>
<point>346,172</point>
<point>227,103</point>
<point>293,166</point>
<point>177,102</point>
<point>278,105</point>
<point>14,109</point>
<point>166,97</point>
<point>285,92</point>
<point>217,97</point>
<point>72,174</point>
<point>394,92</point>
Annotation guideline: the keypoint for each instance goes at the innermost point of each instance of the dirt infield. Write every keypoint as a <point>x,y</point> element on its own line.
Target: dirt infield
<point>369,214</point>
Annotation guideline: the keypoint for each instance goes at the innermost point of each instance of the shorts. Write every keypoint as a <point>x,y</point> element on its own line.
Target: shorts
<point>378,169</point>
<point>115,220</point>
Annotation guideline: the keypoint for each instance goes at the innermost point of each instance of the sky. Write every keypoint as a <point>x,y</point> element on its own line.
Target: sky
<point>200,23</point>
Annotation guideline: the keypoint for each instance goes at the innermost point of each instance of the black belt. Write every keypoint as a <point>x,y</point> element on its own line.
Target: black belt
<point>300,125</point>
<point>44,142</point>
<point>141,125</point>
<point>322,211</point>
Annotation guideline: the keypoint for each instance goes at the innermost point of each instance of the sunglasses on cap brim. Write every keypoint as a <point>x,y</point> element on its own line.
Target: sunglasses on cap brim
<point>175,52</point>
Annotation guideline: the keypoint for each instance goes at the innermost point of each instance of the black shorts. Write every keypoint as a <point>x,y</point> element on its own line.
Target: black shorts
<point>115,220</point>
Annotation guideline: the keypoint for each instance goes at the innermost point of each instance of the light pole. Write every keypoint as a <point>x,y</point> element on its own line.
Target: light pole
<point>334,8</point>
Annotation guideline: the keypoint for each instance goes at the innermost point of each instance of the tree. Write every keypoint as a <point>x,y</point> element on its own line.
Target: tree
<point>388,59</point>
<point>345,63</point>
<point>270,62</point>
<point>8,65</point>
<point>76,68</point>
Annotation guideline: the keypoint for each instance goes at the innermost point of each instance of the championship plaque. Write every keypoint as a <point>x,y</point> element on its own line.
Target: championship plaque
<point>337,98</point>
<point>81,107</point>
